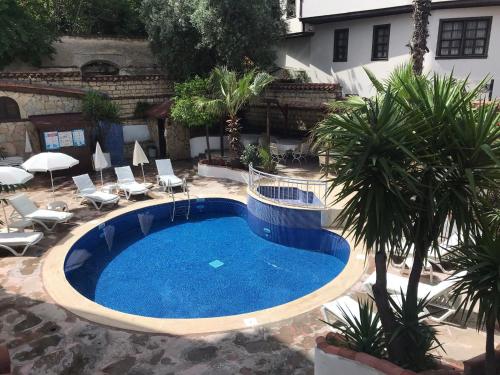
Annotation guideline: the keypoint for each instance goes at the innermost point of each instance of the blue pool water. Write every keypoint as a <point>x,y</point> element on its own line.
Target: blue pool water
<point>211,265</point>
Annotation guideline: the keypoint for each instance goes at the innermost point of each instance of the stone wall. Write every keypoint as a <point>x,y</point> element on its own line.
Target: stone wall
<point>13,137</point>
<point>131,56</point>
<point>124,90</point>
<point>304,104</point>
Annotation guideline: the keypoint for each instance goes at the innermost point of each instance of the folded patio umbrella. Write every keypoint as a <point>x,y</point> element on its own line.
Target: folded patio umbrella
<point>100,161</point>
<point>48,162</point>
<point>27,146</point>
<point>9,177</point>
<point>139,158</point>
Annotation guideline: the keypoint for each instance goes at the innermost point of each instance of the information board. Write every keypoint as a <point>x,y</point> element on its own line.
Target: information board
<point>78,137</point>
<point>51,140</point>
<point>66,139</point>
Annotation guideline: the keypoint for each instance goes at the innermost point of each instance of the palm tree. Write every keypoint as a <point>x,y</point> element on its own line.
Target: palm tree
<point>481,285</point>
<point>230,94</point>
<point>418,46</point>
<point>409,162</point>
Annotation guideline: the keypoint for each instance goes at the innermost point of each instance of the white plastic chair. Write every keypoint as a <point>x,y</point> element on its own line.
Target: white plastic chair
<point>88,192</point>
<point>9,241</point>
<point>166,177</point>
<point>48,219</point>
<point>277,155</point>
<point>126,182</point>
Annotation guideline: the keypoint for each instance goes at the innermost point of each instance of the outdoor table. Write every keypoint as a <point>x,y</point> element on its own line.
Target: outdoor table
<point>288,145</point>
<point>58,206</point>
<point>249,139</point>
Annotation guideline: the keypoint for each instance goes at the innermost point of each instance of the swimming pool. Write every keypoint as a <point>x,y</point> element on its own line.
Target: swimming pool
<point>225,260</point>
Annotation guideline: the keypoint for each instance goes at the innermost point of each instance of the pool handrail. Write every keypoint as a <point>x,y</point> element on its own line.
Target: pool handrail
<point>318,188</point>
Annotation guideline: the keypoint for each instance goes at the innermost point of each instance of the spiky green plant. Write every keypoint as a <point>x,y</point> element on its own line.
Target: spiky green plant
<point>479,288</point>
<point>362,333</point>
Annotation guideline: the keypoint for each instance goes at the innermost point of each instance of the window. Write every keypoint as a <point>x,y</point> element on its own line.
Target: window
<point>9,110</point>
<point>291,8</point>
<point>380,46</point>
<point>100,68</point>
<point>464,38</point>
<point>341,42</point>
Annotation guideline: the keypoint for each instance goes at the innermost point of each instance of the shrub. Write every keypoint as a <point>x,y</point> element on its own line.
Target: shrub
<point>97,107</point>
<point>364,334</point>
<point>266,160</point>
<point>141,109</point>
<point>251,155</point>
<point>423,335</point>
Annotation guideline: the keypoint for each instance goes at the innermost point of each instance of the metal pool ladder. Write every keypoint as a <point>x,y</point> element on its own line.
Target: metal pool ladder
<point>182,210</point>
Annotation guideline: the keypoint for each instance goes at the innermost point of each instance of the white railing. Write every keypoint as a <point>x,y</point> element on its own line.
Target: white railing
<point>288,191</point>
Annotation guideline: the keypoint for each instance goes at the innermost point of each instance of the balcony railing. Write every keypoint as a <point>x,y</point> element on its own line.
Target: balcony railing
<point>288,191</point>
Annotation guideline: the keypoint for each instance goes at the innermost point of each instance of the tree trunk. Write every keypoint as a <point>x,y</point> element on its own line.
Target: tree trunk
<point>421,13</point>
<point>415,273</point>
<point>490,366</point>
<point>207,138</point>
<point>233,129</point>
<point>395,347</point>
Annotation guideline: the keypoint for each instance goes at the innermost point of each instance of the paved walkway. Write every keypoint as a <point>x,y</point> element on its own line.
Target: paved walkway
<point>45,339</point>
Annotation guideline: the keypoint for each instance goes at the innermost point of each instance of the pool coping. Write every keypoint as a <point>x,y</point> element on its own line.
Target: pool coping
<point>61,291</point>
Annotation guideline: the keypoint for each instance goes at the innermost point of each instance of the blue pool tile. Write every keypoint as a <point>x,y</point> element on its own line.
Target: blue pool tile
<point>216,263</point>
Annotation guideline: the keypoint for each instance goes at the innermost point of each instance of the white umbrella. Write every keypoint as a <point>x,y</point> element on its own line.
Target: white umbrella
<point>12,176</point>
<point>48,162</point>
<point>27,146</point>
<point>100,161</point>
<point>140,158</point>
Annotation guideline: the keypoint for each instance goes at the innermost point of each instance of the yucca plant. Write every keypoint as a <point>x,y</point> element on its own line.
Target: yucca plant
<point>409,164</point>
<point>363,334</point>
<point>231,93</point>
<point>413,325</point>
<point>480,286</point>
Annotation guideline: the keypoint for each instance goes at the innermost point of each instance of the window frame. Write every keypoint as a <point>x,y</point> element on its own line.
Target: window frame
<point>294,14</point>
<point>374,44</point>
<point>17,116</point>
<point>442,21</point>
<point>335,41</point>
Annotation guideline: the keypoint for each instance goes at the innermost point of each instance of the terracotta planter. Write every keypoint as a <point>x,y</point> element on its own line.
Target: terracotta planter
<point>333,360</point>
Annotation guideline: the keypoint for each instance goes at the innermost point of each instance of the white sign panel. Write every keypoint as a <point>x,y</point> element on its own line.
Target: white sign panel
<point>78,138</point>
<point>51,140</point>
<point>66,139</point>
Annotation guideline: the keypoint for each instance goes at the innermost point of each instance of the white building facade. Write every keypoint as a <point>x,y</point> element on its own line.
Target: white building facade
<point>332,40</point>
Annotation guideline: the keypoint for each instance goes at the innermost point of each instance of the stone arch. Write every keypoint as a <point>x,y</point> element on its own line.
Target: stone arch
<point>9,109</point>
<point>100,68</point>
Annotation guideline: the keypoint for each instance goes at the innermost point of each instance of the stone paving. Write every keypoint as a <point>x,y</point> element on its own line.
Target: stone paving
<point>45,339</point>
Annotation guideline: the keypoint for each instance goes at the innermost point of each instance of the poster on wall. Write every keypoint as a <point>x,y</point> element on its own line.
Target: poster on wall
<point>66,139</point>
<point>51,140</point>
<point>78,137</point>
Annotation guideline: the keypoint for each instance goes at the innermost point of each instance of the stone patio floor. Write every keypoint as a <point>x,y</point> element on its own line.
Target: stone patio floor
<point>45,339</point>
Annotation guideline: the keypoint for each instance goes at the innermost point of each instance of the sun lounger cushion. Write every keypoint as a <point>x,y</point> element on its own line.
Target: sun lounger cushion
<point>20,239</point>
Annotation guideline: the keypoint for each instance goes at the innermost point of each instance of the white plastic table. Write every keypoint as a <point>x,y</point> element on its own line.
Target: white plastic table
<point>288,144</point>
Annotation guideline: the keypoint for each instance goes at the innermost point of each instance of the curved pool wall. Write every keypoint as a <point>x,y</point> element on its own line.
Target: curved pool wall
<point>295,227</point>
<point>289,227</point>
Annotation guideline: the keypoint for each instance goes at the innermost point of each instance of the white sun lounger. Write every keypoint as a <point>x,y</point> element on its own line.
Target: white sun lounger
<point>29,211</point>
<point>437,295</point>
<point>128,184</point>
<point>88,192</point>
<point>166,177</point>
<point>25,240</point>
<point>334,309</point>
<point>348,305</point>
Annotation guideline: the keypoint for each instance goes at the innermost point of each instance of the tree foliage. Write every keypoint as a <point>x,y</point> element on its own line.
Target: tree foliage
<point>97,17</point>
<point>410,163</point>
<point>193,36</point>
<point>184,110</point>
<point>26,32</point>
<point>230,93</point>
